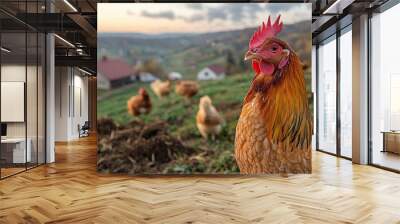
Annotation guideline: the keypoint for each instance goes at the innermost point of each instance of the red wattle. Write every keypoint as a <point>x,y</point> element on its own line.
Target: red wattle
<point>267,68</point>
<point>256,66</point>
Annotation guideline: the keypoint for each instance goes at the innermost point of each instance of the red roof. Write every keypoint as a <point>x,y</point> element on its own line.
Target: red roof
<point>114,69</point>
<point>217,69</point>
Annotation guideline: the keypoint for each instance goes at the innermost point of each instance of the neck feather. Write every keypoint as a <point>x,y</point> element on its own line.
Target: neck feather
<point>284,106</point>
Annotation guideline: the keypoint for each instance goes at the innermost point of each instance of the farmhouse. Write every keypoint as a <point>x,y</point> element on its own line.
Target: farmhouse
<point>174,76</point>
<point>212,72</point>
<point>114,73</point>
<point>145,77</point>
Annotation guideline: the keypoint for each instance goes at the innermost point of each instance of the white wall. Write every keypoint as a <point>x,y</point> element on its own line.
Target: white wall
<point>33,126</point>
<point>81,95</point>
<point>71,94</point>
<point>12,73</point>
<point>208,74</point>
<point>62,81</point>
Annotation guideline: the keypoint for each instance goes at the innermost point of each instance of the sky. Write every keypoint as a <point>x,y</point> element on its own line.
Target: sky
<point>153,18</point>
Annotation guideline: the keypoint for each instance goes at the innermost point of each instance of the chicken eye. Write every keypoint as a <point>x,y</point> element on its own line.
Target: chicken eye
<point>274,48</point>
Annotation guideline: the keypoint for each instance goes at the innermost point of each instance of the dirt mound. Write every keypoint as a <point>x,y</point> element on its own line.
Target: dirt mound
<point>137,147</point>
<point>105,126</point>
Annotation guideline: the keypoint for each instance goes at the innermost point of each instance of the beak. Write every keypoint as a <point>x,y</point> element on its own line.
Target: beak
<point>250,55</point>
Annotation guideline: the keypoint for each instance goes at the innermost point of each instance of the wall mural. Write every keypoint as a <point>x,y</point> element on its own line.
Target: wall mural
<point>204,88</point>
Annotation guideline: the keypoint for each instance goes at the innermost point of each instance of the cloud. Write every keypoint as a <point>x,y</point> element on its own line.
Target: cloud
<point>280,7</point>
<point>238,14</point>
<point>192,18</point>
<point>195,6</point>
<point>242,14</point>
<point>162,15</point>
<point>246,11</point>
<point>291,12</point>
<point>171,16</point>
<point>235,12</point>
<point>216,13</point>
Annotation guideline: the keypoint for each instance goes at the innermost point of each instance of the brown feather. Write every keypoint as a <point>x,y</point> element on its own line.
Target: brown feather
<point>285,106</point>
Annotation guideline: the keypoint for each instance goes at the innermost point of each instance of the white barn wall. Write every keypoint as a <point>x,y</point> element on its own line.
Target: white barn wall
<point>208,74</point>
<point>102,82</point>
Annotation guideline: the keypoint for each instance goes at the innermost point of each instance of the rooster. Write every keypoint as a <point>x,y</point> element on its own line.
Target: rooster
<point>187,88</point>
<point>273,134</point>
<point>208,120</point>
<point>139,104</point>
<point>161,88</point>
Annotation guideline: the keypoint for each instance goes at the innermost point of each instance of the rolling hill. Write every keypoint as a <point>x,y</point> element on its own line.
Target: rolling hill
<point>187,53</point>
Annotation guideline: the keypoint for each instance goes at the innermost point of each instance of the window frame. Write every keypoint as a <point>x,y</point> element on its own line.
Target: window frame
<point>337,34</point>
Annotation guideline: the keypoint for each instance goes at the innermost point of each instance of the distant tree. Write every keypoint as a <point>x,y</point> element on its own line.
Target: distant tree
<point>242,64</point>
<point>230,64</point>
<point>131,56</point>
<point>152,66</point>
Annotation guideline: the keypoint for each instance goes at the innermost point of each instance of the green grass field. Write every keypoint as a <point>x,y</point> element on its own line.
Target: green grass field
<point>227,96</point>
<point>211,156</point>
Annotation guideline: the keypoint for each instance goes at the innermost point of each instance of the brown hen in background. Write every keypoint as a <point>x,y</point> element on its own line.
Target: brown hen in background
<point>139,104</point>
<point>161,88</point>
<point>208,120</point>
<point>187,88</point>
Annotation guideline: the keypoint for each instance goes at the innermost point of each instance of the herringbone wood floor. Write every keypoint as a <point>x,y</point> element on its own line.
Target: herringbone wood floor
<point>70,191</point>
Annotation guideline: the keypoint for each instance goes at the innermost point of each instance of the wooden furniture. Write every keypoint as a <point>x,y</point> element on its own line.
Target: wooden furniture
<point>391,141</point>
<point>14,150</point>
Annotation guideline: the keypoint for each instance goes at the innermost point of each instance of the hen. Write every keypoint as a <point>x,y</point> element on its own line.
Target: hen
<point>273,134</point>
<point>208,120</point>
<point>187,88</point>
<point>139,104</point>
<point>161,88</point>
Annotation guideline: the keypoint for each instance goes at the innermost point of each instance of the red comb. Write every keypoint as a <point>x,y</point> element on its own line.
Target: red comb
<point>265,31</point>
